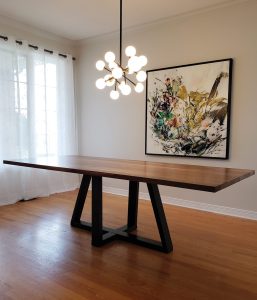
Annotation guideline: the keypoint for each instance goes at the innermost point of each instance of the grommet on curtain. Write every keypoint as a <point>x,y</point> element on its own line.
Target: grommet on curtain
<point>5,38</point>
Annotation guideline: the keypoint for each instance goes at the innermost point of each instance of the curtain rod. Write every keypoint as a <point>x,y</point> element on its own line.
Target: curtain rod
<point>5,38</point>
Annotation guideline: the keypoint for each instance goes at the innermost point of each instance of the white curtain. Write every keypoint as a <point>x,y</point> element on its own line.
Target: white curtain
<point>37,117</point>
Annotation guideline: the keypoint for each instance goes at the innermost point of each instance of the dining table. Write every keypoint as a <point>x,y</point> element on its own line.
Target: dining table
<point>94,169</point>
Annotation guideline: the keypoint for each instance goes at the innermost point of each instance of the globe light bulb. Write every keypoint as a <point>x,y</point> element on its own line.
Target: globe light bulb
<point>100,64</point>
<point>143,60</point>
<point>131,62</point>
<point>114,95</point>
<point>100,83</point>
<point>130,51</point>
<point>126,89</point>
<point>139,87</point>
<point>141,76</point>
<point>109,57</point>
<point>117,73</point>
<point>112,65</point>
<point>109,80</point>
<point>121,85</point>
<point>134,63</point>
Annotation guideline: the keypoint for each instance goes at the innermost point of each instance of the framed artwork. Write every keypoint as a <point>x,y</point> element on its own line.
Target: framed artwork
<point>188,110</point>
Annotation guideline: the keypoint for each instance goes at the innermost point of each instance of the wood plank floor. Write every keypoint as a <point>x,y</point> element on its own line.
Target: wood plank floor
<point>42,257</point>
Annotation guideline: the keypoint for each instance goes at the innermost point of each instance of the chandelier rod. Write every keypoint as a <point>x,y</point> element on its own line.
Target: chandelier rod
<point>120,32</point>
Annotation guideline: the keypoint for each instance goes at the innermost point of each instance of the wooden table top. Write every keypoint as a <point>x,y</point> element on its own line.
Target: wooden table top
<point>203,178</point>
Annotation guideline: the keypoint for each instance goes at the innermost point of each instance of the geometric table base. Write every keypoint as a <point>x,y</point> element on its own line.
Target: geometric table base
<point>102,235</point>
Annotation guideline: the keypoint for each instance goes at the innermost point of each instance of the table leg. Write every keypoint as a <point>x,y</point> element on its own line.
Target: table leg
<point>97,211</point>
<point>81,198</point>
<point>160,217</point>
<point>133,205</point>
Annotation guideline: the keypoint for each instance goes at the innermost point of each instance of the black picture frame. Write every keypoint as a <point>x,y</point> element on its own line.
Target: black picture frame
<point>188,110</point>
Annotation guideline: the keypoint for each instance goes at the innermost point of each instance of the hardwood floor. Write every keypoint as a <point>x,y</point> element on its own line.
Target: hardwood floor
<point>42,257</point>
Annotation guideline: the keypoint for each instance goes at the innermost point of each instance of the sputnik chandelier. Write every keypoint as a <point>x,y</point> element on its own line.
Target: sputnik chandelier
<point>117,76</point>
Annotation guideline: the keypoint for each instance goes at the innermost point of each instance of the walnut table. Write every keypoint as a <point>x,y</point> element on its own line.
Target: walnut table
<point>209,179</point>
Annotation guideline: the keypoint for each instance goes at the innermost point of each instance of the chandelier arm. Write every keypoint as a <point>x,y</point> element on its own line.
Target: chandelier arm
<point>126,78</point>
<point>107,69</point>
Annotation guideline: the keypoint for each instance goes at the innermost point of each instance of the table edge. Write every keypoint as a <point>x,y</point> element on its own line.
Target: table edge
<point>192,186</point>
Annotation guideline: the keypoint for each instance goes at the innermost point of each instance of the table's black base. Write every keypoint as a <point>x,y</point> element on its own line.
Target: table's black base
<point>101,235</point>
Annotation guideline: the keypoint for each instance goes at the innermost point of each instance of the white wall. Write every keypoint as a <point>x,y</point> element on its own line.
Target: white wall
<point>116,128</point>
<point>47,40</point>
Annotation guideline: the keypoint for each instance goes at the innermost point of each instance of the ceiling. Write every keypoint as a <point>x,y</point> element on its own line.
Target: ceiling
<point>80,19</point>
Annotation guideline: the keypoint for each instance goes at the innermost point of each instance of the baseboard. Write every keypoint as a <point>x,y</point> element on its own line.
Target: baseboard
<point>223,210</point>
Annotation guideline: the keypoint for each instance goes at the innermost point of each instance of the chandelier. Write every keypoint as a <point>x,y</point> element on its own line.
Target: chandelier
<point>118,74</point>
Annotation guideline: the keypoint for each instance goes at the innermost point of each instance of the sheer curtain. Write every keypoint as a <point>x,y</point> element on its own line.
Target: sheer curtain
<point>37,117</point>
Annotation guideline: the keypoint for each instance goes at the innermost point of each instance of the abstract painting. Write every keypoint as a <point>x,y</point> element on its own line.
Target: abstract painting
<point>188,110</point>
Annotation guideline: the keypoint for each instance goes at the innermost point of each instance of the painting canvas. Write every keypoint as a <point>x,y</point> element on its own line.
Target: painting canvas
<point>188,110</point>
